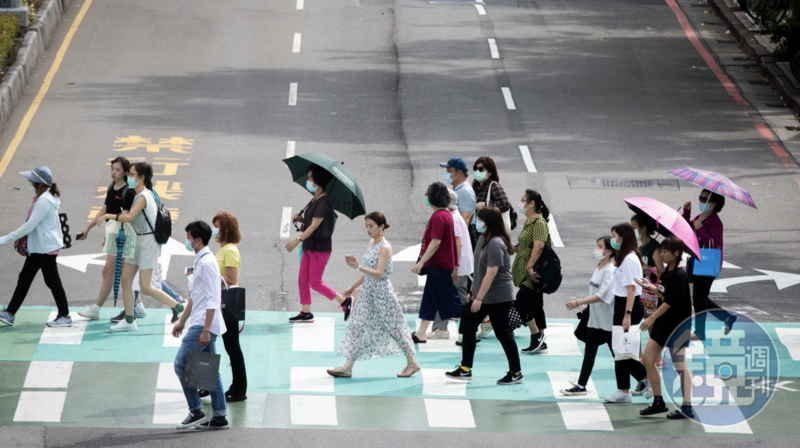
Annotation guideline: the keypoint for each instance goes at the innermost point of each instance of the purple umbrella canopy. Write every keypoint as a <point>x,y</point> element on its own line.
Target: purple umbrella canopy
<point>716,183</point>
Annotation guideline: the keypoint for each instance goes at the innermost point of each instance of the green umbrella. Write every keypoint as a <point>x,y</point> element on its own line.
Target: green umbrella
<point>344,192</point>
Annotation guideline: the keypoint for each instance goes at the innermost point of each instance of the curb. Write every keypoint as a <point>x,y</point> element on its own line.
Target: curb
<point>33,45</point>
<point>767,66</point>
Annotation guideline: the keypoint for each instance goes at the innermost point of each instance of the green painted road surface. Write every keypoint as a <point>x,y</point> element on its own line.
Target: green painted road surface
<point>86,377</point>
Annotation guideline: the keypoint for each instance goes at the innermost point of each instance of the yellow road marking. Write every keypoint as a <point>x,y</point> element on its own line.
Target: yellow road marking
<point>26,121</point>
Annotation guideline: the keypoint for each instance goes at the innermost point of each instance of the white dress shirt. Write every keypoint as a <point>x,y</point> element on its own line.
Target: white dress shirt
<point>206,293</point>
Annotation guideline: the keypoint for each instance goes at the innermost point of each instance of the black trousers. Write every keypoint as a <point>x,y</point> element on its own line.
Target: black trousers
<point>49,267</point>
<point>530,306</point>
<point>628,368</point>
<point>498,314</point>
<point>595,338</point>
<point>700,290</point>
<point>231,340</point>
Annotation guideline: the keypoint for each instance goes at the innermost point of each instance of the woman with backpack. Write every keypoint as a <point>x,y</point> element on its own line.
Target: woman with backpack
<point>143,218</point>
<point>532,240</point>
<point>40,238</point>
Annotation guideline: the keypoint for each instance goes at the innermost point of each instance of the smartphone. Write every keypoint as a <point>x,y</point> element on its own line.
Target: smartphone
<point>350,256</point>
<point>188,271</point>
<point>80,236</point>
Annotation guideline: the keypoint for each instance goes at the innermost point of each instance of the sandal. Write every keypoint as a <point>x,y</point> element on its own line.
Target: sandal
<point>416,339</point>
<point>415,370</point>
<point>339,372</point>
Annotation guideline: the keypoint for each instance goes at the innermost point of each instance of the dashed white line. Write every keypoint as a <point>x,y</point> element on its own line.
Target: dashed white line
<point>479,1</point>
<point>299,4</point>
<point>286,221</point>
<point>481,10</point>
<point>554,236</point>
<point>493,49</point>
<point>526,156</point>
<point>509,100</point>
<point>290,147</point>
<point>296,43</point>
<point>293,94</point>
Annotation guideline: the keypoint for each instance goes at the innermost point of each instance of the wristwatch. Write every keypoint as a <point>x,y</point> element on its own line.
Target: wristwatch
<point>627,311</point>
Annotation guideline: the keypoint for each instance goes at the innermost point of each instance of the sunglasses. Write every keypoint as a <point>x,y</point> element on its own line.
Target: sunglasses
<point>478,168</point>
<point>704,199</point>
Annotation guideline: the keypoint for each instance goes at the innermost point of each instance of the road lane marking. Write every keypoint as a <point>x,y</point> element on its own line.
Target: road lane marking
<point>444,413</point>
<point>555,238</point>
<point>493,49</point>
<point>286,222</point>
<point>169,408</point>
<point>561,340</point>
<point>441,345</point>
<point>585,417</point>
<point>64,335</point>
<point>317,410</point>
<point>169,340</point>
<point>290,148</point>
<point>299,4</point>
<point>40,406</point>
<point>48,79</point>
<point>293,94</point>
<point>479,1</point>
<point>526,157</point>
<point>48,375</point>
<point>790,338</point>
<point>310,379</point>
<point>509,100</point>
<point>316,337</point>
<point>167,379</point>
<point>296,43</point>
<point>561,380</point>
<point>481,10</point>
<point>435,383</point>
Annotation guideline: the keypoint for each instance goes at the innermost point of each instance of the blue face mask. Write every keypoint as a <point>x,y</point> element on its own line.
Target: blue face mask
<point>188,245</point>
<point>447,179</point>
<point>480,227</point>
<point>427,204</point>
<point>704,207</point>
<point>215,233</point>
<point>310,186</point>
<point>614,244</point>
<point>132,182</point>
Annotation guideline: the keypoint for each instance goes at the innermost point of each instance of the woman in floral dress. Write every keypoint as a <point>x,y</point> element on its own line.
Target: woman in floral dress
<point>377,326</point>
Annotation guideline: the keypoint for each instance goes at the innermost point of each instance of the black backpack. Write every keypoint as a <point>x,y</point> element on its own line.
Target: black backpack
<point>163,228</point>
<point>548,266</point>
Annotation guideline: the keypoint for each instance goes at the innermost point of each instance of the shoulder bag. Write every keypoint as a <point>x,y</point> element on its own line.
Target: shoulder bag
<point>506,215</point>
<point>548,266</point>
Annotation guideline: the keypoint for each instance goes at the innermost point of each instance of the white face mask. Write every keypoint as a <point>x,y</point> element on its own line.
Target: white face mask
<point>30,187</point>
<point>638,235</point>
<point>521,207</point>
<point>598,254</point>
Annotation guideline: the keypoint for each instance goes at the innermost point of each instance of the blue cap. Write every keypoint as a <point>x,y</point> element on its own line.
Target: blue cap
<point>457,163</point>
<point>39,175</point>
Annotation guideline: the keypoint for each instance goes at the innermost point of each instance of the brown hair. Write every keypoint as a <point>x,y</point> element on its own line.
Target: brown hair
<point>228,227</point>
<point>144,169</point>
<point>126,164</point>
<point>495,227</point>
<point>488,164</point>
<point>628,245</point>
<point>53,188</point>
<point>378,218</point>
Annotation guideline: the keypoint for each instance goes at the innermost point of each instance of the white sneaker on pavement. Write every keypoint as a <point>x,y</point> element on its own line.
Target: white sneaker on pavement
<point>619,397</point>
<point>438,334</point>
<point>140,311</point>
<point>123,325</point>
<point>90,313</point>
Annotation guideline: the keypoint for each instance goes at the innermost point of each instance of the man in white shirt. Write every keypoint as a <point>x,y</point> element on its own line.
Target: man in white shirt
<point>205,324</point>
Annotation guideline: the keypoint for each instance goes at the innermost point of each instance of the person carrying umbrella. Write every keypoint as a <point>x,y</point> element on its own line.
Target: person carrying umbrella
<point>319,222</point>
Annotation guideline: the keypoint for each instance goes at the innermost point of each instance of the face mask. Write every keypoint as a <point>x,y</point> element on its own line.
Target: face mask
<point>310,186</point>
<point>427,204</point>
<point>188,245</point>
<point>598,254</point>
<point>215,233</point>
<point>447,179</point>
<point>132,182</point>
<point>521,207</point>
<point>480,176</point>
<point>704,207</point>
<point>480,227</point>
<point>30,187</point>
<point>614,244</point>
<point>638,235</point>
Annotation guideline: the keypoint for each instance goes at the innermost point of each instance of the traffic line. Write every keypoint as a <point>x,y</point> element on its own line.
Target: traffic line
<point>286,222</point>
<point>170,408</point>
<point>299,4</point>
<point>310,379</point>
<point>564,380</point>
<point>493,49</point>
<point>64,335</point>
<point>316,337</point>
<point>290,148</point>
<point>48,375</point>
<point>509,100</point>
<point>561,340</point>
<point>40,406</point>
<point>790,338</point>
<point>167,379</point>
<point>313,410</point>
<point>585,416</point>
<point>293,94</point>
<point>481,10</point>
<point>435,383</point>
<point>479,1</point>
<point>296,43</point>
<point>526,157</point>
<point>444,413</point>
<point>555,238</point>
<point>441,345</point>
<point>169,340</point>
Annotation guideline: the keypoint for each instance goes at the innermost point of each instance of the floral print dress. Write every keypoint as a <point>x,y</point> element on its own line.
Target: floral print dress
<point>377,326</point>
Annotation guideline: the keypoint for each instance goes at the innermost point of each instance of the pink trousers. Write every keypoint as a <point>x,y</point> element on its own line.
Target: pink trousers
<point>312,266</point>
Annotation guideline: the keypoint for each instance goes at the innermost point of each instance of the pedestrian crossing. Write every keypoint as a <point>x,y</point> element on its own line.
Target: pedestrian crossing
<point>62,380</point>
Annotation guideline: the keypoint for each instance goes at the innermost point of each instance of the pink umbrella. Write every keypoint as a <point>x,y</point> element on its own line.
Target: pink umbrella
<point>668,221</point>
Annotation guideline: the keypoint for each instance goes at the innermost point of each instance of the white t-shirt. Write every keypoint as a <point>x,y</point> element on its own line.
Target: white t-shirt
<point>467,264</point>
<point>601,314</point>
<point>630,269</point>
<point>206,292</point>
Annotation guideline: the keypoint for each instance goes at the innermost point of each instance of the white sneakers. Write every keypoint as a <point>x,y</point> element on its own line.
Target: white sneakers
<point>124,326</point>
<point>90,313</point>
<point>619,397</point>
<point>438,334</point>
<point>140,311</point>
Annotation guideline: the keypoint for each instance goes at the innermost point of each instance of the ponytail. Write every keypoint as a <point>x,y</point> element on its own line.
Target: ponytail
<point>54,190</point>
<point>540,207</point>
<point>145,170</point>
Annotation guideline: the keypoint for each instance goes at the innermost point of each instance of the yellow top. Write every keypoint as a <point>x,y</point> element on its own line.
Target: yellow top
<point>228,257</point>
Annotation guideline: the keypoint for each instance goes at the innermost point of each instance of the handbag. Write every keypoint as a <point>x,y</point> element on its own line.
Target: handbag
<point>202,371</point>
<point>709,263</point>
<point>625,344</point>
<point>233,303</point>
<point>21,246</point>
<point>506,215</point>
<point>583,324</point>
<point>548,266</point>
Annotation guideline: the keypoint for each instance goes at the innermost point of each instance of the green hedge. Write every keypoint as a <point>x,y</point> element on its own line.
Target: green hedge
<point>9,25</point>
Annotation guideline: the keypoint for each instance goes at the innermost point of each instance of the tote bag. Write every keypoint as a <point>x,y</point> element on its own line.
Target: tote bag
<point>202,369</point>
<point>625,343</point>
<point>709,263</point>
<point>233,303</point>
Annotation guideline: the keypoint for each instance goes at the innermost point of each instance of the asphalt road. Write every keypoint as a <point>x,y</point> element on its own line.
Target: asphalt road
<point>602,89</point>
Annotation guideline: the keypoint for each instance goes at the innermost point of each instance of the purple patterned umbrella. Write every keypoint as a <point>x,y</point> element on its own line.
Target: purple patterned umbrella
<point>716,183</point>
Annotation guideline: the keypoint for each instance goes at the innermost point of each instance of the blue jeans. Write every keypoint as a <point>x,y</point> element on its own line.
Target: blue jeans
<point>191,343</point>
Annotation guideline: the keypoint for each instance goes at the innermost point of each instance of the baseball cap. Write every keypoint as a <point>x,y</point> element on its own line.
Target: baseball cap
<point>457,163</point>
<point>39,175</point>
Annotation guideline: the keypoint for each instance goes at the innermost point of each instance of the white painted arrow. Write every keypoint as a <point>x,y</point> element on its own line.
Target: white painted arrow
<point>173,247</point>
<point>79,262</point>
<point>782,279</point>
<point>408,254</point>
